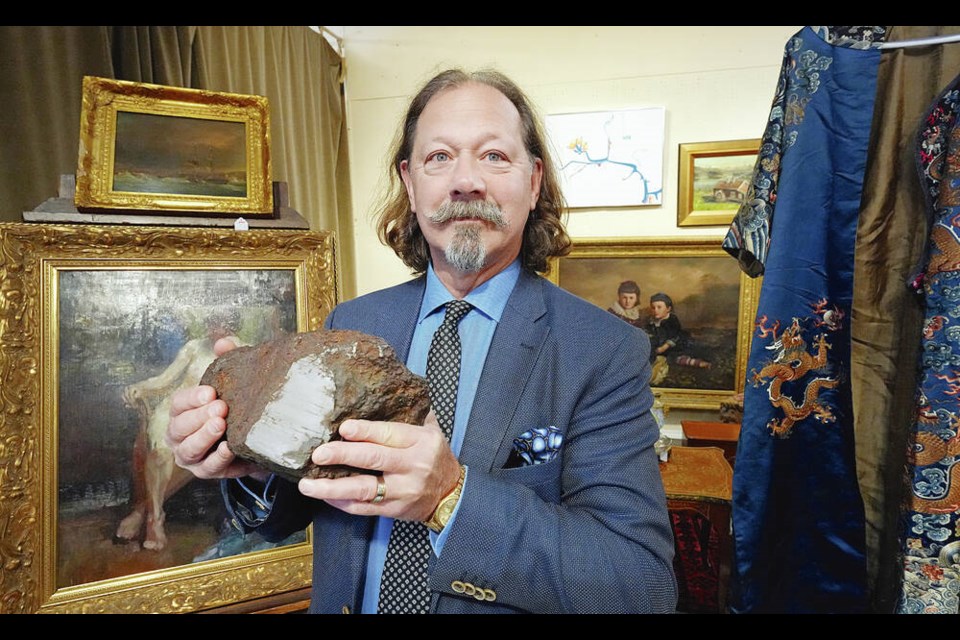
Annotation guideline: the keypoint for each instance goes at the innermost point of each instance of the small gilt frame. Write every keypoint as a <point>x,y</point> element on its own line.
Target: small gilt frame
<point>54,333</point>
<point>714,178</point>
<point>715,302</point>
<point>155,148</point>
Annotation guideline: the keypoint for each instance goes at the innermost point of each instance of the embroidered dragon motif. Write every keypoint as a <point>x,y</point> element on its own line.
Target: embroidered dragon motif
<point>792,363</point>
<point>946,253</point>
<point>931,449</point>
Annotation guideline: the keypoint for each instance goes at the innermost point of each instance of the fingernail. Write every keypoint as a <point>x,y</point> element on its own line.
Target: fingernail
<point>320,456</point>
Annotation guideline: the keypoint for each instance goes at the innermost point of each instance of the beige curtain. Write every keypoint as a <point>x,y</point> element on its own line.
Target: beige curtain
<point>41,71</point>
<point>299,72</point>
<point>887,321</point>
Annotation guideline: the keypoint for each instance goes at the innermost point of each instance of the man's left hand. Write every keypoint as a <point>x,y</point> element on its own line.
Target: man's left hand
<point>417,464</point>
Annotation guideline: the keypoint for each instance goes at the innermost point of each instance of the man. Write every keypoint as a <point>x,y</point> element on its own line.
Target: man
<point>476,211</point>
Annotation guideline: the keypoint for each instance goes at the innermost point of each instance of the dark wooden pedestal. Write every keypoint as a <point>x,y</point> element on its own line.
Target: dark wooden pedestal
<point>699,483</point>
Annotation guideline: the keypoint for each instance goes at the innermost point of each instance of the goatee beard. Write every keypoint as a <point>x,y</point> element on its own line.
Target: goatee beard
<point>466,252</point>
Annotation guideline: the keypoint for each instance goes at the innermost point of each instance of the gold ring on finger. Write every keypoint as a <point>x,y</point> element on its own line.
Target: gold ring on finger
<point>381,491</point>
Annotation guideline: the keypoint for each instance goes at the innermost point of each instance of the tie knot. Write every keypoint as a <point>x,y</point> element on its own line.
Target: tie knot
<point>456,309</point>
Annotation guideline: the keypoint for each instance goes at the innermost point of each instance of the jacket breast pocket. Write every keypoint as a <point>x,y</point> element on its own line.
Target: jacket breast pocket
<point>543,479</point>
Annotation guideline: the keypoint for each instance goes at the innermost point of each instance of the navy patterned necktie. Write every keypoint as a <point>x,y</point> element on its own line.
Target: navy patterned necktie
<point>404,585</point>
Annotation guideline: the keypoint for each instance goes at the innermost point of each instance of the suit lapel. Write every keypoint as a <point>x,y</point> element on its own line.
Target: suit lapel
<point>396,326</point>
<point>513,352</point>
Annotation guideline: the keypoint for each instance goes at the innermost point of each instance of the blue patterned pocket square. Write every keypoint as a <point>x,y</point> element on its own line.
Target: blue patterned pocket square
<point>535,446</point>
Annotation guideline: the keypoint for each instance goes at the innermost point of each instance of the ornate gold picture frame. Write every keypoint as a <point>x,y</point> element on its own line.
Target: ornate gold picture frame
<point>714,178</point>
<point>147,147</point>
<point>712,303</point>
<point>92,319</point>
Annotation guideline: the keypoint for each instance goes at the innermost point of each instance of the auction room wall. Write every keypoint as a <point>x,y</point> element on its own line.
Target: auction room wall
<point>716,83</point>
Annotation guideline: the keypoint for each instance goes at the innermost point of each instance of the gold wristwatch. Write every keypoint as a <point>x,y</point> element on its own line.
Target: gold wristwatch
<point>441,515</point>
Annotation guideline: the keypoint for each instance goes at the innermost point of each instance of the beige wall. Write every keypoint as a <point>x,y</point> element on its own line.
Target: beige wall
<point>716,83</point>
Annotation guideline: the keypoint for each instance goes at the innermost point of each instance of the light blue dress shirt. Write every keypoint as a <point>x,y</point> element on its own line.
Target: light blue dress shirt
<point>476,333</point>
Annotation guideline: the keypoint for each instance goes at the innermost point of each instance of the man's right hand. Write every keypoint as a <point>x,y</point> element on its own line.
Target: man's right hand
<point>197,424</point>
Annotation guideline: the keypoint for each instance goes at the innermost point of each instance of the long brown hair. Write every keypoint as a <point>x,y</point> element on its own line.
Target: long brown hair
<point>544,235</point>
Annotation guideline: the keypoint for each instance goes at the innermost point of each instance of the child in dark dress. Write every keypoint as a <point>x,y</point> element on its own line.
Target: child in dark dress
<point>663,326</point>
<point>668,340</point>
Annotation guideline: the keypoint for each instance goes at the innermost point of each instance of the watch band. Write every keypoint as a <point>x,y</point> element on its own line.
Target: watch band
<point>441,515</point>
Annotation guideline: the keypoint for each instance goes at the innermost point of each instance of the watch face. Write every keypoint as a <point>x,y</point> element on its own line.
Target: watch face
<point>445,511</point>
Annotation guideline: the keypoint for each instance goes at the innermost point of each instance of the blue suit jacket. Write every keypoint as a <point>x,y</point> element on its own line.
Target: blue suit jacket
<point>586,532</point>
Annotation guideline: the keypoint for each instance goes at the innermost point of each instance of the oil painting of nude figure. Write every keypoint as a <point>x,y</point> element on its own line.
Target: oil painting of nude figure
<point>128,339</point>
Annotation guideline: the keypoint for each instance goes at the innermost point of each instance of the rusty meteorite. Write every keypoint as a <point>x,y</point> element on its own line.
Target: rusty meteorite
<point>289,395</point>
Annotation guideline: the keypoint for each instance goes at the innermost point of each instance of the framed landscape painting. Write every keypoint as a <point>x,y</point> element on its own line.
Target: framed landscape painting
<point>146,147</point>
<point>714,180</point>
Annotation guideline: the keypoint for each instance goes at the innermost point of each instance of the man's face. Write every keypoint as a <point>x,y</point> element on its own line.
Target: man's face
<point>628,300</point>
<point>659,309</point>
<point>470,180</point>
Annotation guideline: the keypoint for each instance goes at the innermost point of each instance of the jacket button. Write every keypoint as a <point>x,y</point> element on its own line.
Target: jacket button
<point>457,586</point>
<point>489,595</point>
<point>345,609</point>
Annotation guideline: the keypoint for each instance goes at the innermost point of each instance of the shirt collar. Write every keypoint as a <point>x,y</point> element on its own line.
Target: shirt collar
<point>490,298</point>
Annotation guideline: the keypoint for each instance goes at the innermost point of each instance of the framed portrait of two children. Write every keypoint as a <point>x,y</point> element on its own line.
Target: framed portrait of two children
<point>690,297</point>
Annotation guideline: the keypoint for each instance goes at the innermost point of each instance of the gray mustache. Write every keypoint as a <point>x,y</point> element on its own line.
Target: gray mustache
<point>475,209</point>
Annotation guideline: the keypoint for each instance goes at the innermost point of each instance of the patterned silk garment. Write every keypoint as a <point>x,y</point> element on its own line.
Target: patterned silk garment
<point>931,540</point>
<point>798,518</point>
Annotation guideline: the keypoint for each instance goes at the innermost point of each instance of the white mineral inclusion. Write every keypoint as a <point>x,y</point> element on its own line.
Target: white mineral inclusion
<point>298,413</point>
